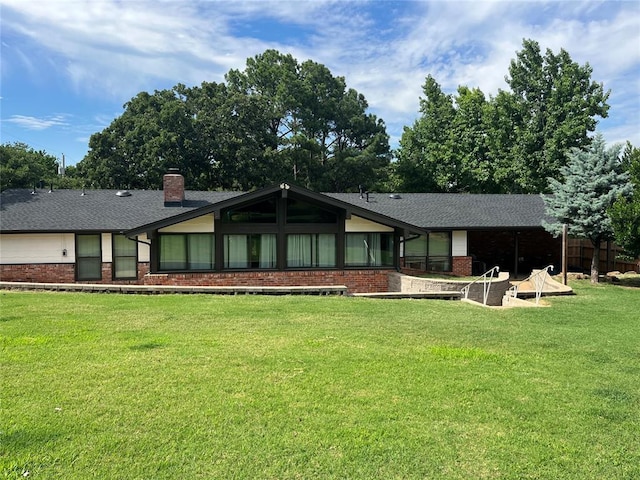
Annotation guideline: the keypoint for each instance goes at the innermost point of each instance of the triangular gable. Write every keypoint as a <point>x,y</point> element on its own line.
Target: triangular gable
<point>284,189</point>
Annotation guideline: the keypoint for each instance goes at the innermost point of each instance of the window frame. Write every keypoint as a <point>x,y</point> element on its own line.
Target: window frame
<point>114,258</point>
<point>426,261</point>
<point>368,264</point>
<point>81,259</point>
<point>186,252</point>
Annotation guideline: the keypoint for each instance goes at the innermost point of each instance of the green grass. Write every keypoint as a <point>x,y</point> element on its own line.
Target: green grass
<point>166,387</point>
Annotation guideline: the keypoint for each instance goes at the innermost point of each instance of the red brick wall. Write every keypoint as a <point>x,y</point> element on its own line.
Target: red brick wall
<point>357,281</point>
<point>462,266</point>
<point>60,273</point>
<point>39,273</point>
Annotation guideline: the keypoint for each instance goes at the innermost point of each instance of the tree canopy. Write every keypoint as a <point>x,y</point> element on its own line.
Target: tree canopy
<point>592,181</point>
<point>276,120</point>
<point>625,212</point>
<point>23,167</point>
<point>510,143</point>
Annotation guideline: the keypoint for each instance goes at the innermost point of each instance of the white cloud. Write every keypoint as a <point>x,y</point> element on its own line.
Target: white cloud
<point>384,49</point>
<point>34,123</point>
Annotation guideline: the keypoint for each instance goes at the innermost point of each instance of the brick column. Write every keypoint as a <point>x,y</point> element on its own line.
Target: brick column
<point>462,266</point>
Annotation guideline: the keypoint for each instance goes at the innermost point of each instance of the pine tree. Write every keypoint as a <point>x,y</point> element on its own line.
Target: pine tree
<point>593,180</point>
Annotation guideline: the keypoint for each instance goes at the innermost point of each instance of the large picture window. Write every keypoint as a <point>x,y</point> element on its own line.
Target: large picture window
<point>430,253</point>
<point>368,249</point>
<point>311,250</point>
<point>186,251</point>
<point>88,257</point>
<point>250,251</point>
<point>125,258</point>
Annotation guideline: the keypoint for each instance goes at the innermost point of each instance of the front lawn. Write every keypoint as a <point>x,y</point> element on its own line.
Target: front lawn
<point>250,387</point>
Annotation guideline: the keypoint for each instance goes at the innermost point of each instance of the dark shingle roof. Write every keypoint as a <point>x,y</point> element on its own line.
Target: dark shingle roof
<point>103,210</point>
<point>97,210</point>
<point>454,210</point>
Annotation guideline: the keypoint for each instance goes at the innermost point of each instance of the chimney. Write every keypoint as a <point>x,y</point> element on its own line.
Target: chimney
<point>173,186</point>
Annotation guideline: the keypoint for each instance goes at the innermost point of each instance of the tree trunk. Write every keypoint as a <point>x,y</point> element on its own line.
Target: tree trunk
<point>595,262</point>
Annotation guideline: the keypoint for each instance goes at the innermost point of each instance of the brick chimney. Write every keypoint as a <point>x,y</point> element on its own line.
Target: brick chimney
<point>173,186</point>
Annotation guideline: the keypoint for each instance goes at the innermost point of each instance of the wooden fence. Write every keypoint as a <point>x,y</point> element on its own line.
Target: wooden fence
<point>580,253</point>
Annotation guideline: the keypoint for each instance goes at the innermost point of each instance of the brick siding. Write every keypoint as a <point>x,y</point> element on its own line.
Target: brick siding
<point>357,281</point>
<point>462,266</point>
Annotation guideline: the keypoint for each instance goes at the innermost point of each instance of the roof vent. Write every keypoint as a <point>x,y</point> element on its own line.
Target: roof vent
<point>123,193</point>
<point>395,196</point>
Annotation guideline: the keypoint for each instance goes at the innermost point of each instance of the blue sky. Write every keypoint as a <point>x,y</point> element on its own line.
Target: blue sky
<point>69,66</point>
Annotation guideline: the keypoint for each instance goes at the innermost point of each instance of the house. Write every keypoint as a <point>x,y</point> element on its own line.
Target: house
<point>281,235</point>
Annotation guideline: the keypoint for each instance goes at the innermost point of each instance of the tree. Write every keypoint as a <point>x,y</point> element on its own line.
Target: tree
<point>155,132</point>
<point>321,128</point>
<point>23,167</point>
<point>425,153</point>
<point>556,103</point>
<point>625,212</point>
<point>592,181</point>
<point>277,120</point>
<point>511,143</point>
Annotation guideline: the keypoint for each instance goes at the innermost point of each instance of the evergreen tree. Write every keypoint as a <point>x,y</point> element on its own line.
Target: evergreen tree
<point>593,180</point>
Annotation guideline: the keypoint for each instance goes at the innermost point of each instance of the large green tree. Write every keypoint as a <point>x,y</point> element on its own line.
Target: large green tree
<point>425,155</point>
<point>511,143</point>
<point>324,137</point>
<point>592,181</point>
<point>23,167</point>
<point>625,212</point>
<point>275,120</point>
<point>557,104</point>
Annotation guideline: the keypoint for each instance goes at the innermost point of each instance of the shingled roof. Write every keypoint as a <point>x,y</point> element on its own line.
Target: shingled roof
<point>433,211</point>
<point>104,210</point>
<point>93,210</point>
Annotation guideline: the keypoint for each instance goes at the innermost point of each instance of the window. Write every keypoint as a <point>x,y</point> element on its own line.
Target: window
<point>439,252</point>
<point>88,257</point>
<point>304,212</point>
<point>369,249</point>
<point>429,253</point>
<point>261,212</point>
<point>125,257</point>
<point>250,251</point>
<point>186,251</point>
<point>311,250</point>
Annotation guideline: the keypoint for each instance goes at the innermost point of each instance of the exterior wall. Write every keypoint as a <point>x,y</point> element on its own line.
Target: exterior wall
<point>60,273</point>
<point>107,247</point>
<point>462,266</point>
<point>459,243</point>
<point>38,272</point>
<point>357,224</point>
<point>203,224</point>
<point>144,251</point>
<point>19,248</point>
<point>357,281</point>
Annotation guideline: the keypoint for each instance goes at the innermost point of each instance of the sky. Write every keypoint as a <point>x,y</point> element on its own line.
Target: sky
<point>69,66</point>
